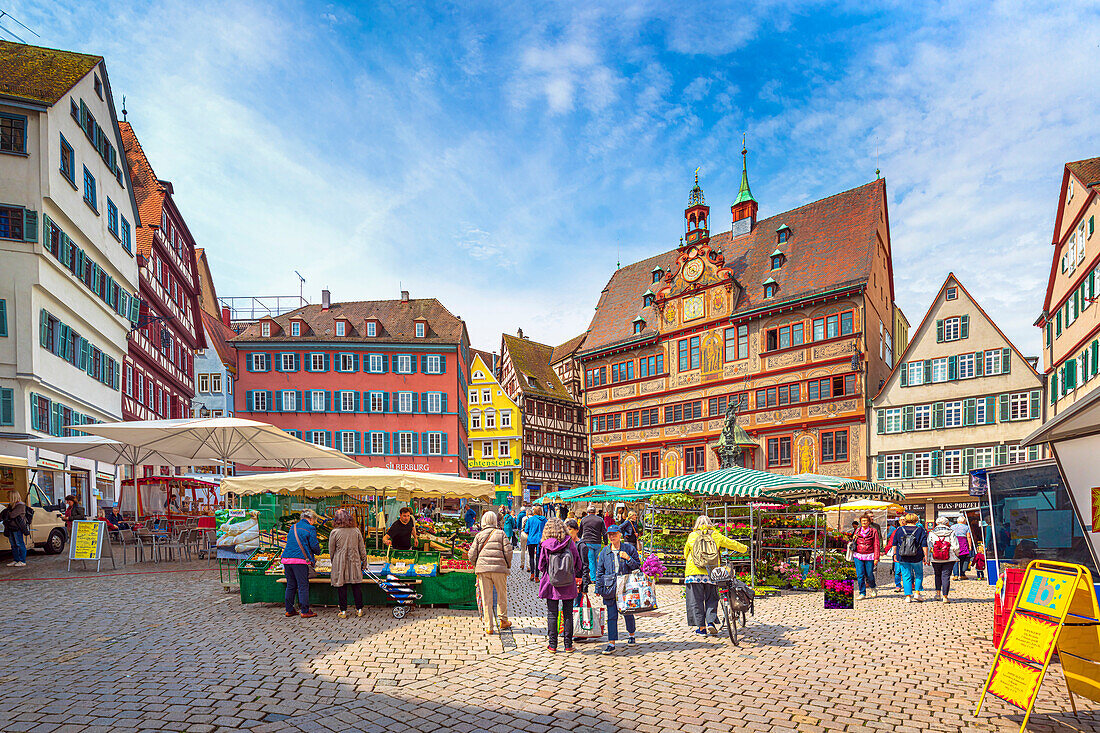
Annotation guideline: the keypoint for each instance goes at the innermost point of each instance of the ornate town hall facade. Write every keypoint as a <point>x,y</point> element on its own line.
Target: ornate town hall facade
<point>788,318</point>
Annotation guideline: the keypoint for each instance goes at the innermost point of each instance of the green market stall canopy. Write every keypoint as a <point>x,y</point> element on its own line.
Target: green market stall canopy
<point>739,482</point>
<point>854,488</point>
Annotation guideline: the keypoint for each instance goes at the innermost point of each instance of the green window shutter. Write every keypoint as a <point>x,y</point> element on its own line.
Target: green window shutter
<point>358,443</point>
<point>908,420</point>
<point>444,446</point>
<point>937,415</point>
<point>970,411</point>
<point>1077,300</point>
<point>1006,360</point>
<point>1003,400</point>
<point>952,367</point>
<point>881,421</point>
<point>1000,455</point>
<point>979,363</point>
<point>7,407</point>
<point>904,374</point>
<point>43,320</point>
<point>386,441</point>
<point>278,400</point>
<point>880,467</point>
<point>939,331</point>
<point>357,403</point>
<point>990,406</point>
<point>968,459</point>
<point>443,370</point>
<point>937,462</point>
<point>1058,323</point>
<point>927,371</point>
<point>1034,404</point>
<point>1093,351</point>
<point>964,327</point>
<point>135,308</point>
<point>1033,452</point>
<point>30,225</point>
<point>1048,328</point>
<point>907,466</point>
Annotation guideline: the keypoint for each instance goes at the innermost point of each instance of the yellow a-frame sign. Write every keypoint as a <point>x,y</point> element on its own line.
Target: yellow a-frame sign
<point>1055,609</point>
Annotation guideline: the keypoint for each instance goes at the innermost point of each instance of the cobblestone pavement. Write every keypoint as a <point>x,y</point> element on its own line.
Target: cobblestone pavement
<point>172,651</point>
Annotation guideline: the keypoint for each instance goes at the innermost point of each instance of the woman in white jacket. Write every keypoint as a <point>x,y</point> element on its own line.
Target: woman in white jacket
<point>942,553</point>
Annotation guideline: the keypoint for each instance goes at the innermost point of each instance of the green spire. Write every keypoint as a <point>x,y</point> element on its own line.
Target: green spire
<point>744,194</point>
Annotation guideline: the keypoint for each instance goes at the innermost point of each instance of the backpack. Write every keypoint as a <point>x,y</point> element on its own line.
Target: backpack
<point>560,569</point>
<point>704,550</point>
<point>742,597</point>
<point>907,546</point>
<point>941,548</point>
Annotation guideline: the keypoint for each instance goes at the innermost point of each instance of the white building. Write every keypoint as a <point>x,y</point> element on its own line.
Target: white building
<point>67,270</point>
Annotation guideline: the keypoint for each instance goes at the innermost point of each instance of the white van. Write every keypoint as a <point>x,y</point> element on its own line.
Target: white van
<point>47,525</point>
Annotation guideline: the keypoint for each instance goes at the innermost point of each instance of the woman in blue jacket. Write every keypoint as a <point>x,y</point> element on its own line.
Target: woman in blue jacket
<point>299,556</point>
<point>535,522</point>
<point>618,558</point>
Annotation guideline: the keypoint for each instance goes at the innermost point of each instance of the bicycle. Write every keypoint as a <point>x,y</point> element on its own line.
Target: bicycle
<point>734,597</point>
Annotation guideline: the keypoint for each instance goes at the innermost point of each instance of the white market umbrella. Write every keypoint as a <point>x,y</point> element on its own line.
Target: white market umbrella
<point>402,485</point>
<point>225,439</point>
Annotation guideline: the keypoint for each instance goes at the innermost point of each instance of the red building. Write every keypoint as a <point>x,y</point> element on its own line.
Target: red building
<point>158,380</point>
<point>383,380</point>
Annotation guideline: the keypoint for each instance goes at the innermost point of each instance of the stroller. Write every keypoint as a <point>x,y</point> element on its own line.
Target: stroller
<point>735,597</point>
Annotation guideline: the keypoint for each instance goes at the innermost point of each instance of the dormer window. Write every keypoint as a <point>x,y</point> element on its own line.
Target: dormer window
<point>770,288</point>
<point>782,234</point>
<point>295,328</point>
<point>420,329</point>
<point>341,328</point>
<point>647,298</point>
<point>265,329</point>
<point>777,259</point>
<point>372,329</point>
<point>639,326</point>
<point>657,274</point>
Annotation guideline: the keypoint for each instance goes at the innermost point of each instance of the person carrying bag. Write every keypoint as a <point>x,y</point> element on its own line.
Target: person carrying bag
<point>614,563</point>
<point>298,563</point>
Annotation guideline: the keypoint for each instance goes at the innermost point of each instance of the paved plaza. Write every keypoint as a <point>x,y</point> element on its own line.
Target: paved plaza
<point>153,650</point>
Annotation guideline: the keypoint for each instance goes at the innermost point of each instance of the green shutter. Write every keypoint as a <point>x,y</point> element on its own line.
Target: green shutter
<point>1003,400</point>
<point>135,308</point>
<point>1000,455</point>
<point>1006,360</point>
<point>927,371</point>
<point>907,466</point>
<point>909,414</point>
<point>1034,404</point>
<point>1058,323</point>
<point>952,368</point>
<point>937,415</point>
<point>937,462</point>
<point>970,411</point>
<point>1048,328</point>
<point>939,331</point>
<point>30,225</point>
<point>979,363</point>
<point>7,407</point>
<point>880,467</point>
<point>904,374</point>
<point>990,407</point>
<point>968,460</point>
<point>1033,452</point>
<point>43,321</point>
<point>964,327</point>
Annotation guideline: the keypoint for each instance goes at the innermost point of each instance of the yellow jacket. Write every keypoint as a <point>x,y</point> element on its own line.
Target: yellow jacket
<point>719,539</point>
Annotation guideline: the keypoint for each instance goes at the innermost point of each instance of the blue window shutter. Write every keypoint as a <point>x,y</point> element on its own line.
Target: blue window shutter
<point>423,363</point>
<point>386,440</point>
<point>297,362</point>
<point>278,400</point>
<point>424,442</point>
<point>328,438</point>
<point>278,362</point>
<point>416,402</point>
<point>396,401</point>
<point>357,407</point>
<point>385,402</point>
<point>443,402</point>
<point>328,401</point>
<point>444,447</point>
<point>248,401</point>
<point>424,401</point>
<point>1006,360</point>
<point>385,363</point>
<point>442,364</point>
<point>269,399</point>
<point>416,443</point>
<point>327,365</point>
<point>355,362</point>
<point>412,363</point>
<point>358,443</point>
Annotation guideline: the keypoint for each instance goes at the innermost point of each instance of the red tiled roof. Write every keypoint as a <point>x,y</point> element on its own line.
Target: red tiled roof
<point>531,361</point>
<point>832,245</point>
<point>220,335</point>
<point>396,320</point>
<point>1087,170</point>
<point>148,191</point>
<point>486,357</point>
<point>569,348</point>
<point>208,295</point>
<point>41,74</point>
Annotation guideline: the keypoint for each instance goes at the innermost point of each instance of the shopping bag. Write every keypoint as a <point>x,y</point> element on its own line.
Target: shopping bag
<point>588,622</point>
<point>636,593</point>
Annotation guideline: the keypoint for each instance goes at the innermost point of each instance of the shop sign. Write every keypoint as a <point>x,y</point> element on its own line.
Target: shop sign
<point>914,507</point>
<point>47,463</point>
<point>1031,638</point>
<point>100,476</point>
<point>87,542</point>
<point>493,463</point>
<point>408,466</point>
<point>956,506</point>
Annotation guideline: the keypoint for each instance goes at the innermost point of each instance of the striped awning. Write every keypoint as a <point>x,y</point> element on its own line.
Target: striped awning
<point>854,488</point>
<point>742,482</point>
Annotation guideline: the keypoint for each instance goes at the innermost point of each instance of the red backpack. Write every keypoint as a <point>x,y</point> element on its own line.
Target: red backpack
<point>941,548</point>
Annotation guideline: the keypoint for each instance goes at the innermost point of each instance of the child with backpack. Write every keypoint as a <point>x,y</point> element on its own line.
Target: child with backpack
<point>943,553</point>
<point>558,561</point>
<point>702,554</point>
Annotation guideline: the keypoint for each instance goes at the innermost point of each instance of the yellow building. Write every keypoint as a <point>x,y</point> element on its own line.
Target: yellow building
<point>495,429</point>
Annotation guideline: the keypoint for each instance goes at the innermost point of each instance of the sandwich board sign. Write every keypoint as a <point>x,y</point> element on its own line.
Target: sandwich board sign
<point>87,543</point>
<point>1056,609</point>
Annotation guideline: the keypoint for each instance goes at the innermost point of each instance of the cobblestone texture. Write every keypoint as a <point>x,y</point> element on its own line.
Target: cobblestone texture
<point>172,651</point>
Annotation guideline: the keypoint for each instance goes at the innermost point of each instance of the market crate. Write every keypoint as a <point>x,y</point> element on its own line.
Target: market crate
<point>404,555</point>
<point>258,587</point>
<point>427,557</point>
<point>259,560</point>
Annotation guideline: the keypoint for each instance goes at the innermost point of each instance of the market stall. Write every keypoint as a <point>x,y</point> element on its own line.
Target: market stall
<point>437,567</point>
<point>169,495</point>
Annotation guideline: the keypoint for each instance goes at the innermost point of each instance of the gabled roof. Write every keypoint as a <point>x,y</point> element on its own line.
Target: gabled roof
<point>208,295</point>
<point>1088,171</point>
<point>915,337</point>
<point>832,245</point>
<point>568,349</point>
<point>149,192</point>
<point>41,74</point>
<point>397,320</point>
<point>531,361</point>
<point>219,336</point>
<point>486,357</point>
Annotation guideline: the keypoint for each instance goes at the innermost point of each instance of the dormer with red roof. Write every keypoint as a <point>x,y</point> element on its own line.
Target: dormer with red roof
<point>298,328</point>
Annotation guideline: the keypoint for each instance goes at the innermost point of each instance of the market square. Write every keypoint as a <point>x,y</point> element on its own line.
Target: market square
<point>539,367</point>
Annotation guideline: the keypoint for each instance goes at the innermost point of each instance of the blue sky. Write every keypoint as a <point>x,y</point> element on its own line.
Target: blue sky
<point>502,157</point>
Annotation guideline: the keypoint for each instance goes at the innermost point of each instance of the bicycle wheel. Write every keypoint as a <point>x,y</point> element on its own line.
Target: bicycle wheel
<point>731,621</point>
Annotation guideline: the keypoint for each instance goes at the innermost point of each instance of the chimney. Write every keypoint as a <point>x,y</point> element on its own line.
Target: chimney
<point>404,296</point>
<point>225,315</point>
<point>326,299</point>
<point>519,332</point>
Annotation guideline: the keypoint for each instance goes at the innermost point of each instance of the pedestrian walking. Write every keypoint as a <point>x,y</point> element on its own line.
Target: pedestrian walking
<point>535,523</point>
<point>961,529</point>
<point>702,554</point>
<point>866,555</point>
<point>617,559</point>
<point>979,561</point>
<point>943,553</point>
<point>348,553</point>
<point>73,512</point>
<point>470,517</point>
<point>299,555</point>
<point>910,545</point>
<point>509,526</point>
<point>630,528</point>
<point>891,553</point>
<point>16,529</point>
<point>593,536</point>
<point>491,554</point>
<point>558,563</point>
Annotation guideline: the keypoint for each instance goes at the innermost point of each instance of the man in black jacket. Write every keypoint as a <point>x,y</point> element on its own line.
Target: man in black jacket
<point>593,535</point>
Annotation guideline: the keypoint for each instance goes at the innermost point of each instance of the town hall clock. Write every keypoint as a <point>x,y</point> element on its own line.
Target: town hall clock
<point>693,270</point>
<point>693,307</point>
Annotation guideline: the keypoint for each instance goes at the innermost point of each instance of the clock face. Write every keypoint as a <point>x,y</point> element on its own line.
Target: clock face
<point>693,270</point>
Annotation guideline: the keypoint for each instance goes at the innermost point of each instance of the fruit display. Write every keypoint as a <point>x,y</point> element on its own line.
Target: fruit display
<point>425,570</point>
<point>399,567</point>
<point>450,564</point>
<point>323,564</point>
